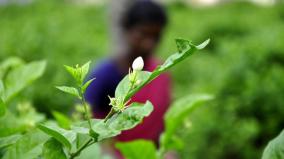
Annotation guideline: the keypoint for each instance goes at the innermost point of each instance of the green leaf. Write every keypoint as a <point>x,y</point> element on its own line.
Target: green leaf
<point>81,139</point>
<point>131,116</point>
<point>66,137</point>
<point>9,63</point>
<point>203,45</point>
<point>74,72</point>
<point>176,142</point>
<point>182,45</point>
<point>2,108</point>
<point>2,90</point>
<point>84,70</point>
<point>83,133</point>
<point>185,49</point>
<point>275,148</point>
<point>93,152</point>
<point>141,149</point>
<point>9,140</point>
<point>27,73</point>
<point>11,123</point>
<point>52,149</point>
<point>79,73</point>
<point>70,90</point>
<point>27,147</point>
<point>62,120</point>
<point>99,126</point>
<point>125,120</point>
<point>123,87</point>
<point>104,130</point>
<point>177,113</point>
<point>86,85</point>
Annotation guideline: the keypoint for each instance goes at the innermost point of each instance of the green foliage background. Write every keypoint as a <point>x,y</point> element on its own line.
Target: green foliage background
<point>243,66</point>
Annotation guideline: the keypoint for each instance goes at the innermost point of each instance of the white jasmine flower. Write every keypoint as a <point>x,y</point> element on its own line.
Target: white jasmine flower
<point>138,64</point>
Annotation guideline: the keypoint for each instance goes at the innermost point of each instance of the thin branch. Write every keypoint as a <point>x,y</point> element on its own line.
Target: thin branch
<point>77,153</point>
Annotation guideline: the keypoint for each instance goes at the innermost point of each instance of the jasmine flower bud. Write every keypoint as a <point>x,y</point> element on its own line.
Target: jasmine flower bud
<point>112,101</point>
<point>138,64</point>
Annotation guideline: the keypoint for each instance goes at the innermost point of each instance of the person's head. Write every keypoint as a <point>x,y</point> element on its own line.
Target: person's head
<point>142,25</point>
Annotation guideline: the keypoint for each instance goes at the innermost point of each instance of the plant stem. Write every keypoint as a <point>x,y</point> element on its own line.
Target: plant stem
<point>109,115</point>
<point>85,105</point>
<point>90,141</point>
<point>86,112</point>
<point>77,153</point>
<point>131,86</point>
<point>112,111</point>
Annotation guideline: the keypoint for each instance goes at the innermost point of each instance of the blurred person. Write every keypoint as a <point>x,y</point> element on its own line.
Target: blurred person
<point>142,27</point>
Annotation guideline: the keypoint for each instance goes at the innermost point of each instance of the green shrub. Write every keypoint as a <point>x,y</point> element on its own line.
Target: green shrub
<point>243,66</point>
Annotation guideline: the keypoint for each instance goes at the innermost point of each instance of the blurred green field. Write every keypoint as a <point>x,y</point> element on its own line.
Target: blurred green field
<point>243,66</point>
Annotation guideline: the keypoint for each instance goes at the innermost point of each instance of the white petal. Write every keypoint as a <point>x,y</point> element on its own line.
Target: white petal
<point>138,64</point>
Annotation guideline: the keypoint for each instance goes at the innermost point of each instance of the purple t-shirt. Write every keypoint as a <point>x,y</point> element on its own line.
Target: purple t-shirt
<point>107,78</point>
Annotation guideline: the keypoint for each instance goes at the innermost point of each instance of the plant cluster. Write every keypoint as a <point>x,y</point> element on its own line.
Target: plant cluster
<point>63,138</point>
<point>242,67</point>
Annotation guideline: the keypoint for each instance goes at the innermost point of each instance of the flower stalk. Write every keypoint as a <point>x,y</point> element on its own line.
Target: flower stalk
<point>118,105</point>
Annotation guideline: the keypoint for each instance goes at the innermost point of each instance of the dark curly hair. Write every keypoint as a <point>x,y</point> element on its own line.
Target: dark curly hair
<point>144,12</point>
